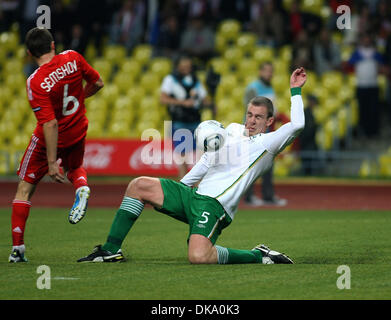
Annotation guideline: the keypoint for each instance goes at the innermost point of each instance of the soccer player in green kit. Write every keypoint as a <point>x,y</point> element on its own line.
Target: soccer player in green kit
<point>211,207</point>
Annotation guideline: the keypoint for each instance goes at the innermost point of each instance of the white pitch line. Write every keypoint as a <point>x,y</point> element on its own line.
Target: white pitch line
<point>64,278</point>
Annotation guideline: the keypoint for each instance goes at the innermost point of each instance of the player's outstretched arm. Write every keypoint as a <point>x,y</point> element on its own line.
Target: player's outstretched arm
<point>279,139</point>
<point>297,81</point>
<point>91,88</point>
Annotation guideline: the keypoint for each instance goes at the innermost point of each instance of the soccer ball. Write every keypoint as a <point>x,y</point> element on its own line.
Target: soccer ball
<point>210,135</point>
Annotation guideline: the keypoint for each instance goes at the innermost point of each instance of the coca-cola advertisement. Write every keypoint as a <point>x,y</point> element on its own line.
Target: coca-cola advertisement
<point>129,157</point>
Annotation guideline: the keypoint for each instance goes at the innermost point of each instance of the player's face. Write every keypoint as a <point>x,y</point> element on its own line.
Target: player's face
<point>257,120</point>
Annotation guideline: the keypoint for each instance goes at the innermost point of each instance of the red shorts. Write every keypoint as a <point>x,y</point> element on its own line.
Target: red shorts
<point>34,164</point>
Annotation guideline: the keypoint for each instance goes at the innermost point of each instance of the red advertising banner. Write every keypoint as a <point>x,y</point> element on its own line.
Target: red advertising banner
<point>129,157</point>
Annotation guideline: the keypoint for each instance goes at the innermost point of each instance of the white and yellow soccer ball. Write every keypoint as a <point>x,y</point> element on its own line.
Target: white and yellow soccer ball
<point>210,135</point>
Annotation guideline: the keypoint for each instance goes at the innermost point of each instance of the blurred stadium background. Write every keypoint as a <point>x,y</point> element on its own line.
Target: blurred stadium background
<point>133,59</point>
<point>326,223</point>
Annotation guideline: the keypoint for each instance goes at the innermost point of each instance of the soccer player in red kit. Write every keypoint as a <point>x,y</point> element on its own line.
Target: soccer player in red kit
<point>56,95</point>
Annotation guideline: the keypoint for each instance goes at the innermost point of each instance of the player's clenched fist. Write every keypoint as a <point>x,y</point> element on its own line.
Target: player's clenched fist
<point>298,78</point>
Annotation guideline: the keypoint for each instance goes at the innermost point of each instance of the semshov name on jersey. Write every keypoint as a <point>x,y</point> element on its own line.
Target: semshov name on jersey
<point>60,73</point>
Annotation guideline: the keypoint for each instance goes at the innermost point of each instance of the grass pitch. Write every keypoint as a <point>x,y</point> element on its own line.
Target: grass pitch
<point>157,267</point>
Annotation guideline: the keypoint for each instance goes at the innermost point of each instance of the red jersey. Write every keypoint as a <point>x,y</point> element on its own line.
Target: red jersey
<point>55,91</point>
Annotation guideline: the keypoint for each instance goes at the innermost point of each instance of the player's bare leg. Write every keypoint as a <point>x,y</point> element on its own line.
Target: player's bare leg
<point>25,191</point>
<point>20,212</point>
<point>201,250</point>
<point>139,191</point>
<point>147,190</point>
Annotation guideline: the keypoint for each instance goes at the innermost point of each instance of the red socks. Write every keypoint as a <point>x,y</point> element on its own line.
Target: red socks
<point>78,177</point>
<point>20,213</point>
<point>21,209</point>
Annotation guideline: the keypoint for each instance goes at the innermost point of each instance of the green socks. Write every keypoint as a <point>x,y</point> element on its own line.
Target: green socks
<point>124,219</point>
<point>131,209</point>
<point>230,256</point>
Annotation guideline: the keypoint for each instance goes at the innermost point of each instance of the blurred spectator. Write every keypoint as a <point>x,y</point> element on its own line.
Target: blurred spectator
<point>303,21</point>
<point>302,51</point>
<point>215,12</point>
<point>152,21</point>
<point>269,24</point>
<point>296,23</point>
<point>307,139</point>
<point>28,15</point>
<point>8,14</point>
<point>78,39</point>
<point>382,22</point>
<point>96,23</point>
<point>178,8</point>
<point>184,96</point>
<point>256,7</point>
<point>198,40</point>
<point>364,21</point>
<point>387,61</point>
<point>327,53</point>
<point>168,40</point>
<point>197,8</point>
<point>367,61</point>
<point>360,23</point>
<point>350,36</point>
<point>62,26</point>
<point>27,19</point>
<point>212,82</point>
<point>372,5</point>
<point>364,24</point>
<point>262,87</point>
<point>235,9</point>
<point>128,24</point>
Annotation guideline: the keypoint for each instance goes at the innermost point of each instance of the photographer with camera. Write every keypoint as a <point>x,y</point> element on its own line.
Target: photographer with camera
<point>184,96</point>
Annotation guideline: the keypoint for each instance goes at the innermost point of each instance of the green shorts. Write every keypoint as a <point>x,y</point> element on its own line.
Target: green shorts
<point>203,214</point>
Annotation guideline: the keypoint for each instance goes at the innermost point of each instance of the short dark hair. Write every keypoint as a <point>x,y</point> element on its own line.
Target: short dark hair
<point>38,41</point>
<point>263,101</point>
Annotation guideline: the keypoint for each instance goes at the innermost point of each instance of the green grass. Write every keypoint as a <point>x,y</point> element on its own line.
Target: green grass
<point>157,267</point>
